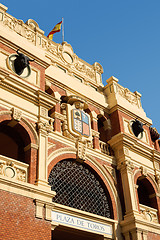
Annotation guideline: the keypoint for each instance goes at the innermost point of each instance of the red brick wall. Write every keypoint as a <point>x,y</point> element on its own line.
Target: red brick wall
<point>18,222</point>
<point>153,236</point>
<point>116,124</point>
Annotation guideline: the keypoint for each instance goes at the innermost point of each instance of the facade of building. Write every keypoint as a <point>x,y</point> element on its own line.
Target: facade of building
<point>72,164</point>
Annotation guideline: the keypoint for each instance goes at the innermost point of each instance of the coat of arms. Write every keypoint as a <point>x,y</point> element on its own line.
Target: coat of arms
<point>80,122</point>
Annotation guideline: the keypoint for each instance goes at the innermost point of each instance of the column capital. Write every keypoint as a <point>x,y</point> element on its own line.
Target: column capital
<point>126,165</point>
<point>45,127</point>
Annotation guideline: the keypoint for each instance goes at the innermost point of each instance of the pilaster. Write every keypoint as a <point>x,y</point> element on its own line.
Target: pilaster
<point>57,114</point>
<point>121,147</point>
<point>95,132</point>
<point>43,130</point>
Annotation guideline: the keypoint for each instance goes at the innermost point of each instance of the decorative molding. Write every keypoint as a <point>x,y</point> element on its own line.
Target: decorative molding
<point>64,53</point>
<point>16,114</point>
<point>149,214</point>
<point>104,147</point>
<point>98,67</point>
<point>132,98</point>
<point>144,171</point>
<point>45,126</point>
<point>95,133</point>
<point>31,145</point>
<point>57,96</point>
<point>94,116</point>
<point>111,170</point>
<point>126,165</point>
<point>39,208</point>
<point>59,152</point>
<point>5,112</point>
<point>58,116</point>
<point>48,211</point>
<point>43,111</point>
<point>81,150</point>
<point>13,169</point>
<point>32,127</point>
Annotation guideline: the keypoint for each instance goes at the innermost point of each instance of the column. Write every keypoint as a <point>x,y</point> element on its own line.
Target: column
<point>126,169</point>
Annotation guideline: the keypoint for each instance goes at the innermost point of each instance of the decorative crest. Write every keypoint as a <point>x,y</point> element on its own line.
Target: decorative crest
<point>79,123</point>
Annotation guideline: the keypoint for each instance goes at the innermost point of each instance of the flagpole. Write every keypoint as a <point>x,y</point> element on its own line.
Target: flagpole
<point>62,29</point>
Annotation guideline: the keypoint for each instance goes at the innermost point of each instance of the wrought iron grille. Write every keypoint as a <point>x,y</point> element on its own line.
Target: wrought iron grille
<point>77,187</point>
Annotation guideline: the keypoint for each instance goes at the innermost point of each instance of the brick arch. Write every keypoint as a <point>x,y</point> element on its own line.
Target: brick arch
<point>105,179</point>
<point>154,187</point>
<point>50,90</point>
<point>23,125</point>
<point>60,158</point>
<point>109,184</point>
<point>148,177</point>
<point>30,138</point>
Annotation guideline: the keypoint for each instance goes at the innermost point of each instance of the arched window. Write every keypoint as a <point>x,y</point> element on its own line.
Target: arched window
<point>11,143</point>
<point>78,186</point>
<point>104,128</point>
<point>146,193</point>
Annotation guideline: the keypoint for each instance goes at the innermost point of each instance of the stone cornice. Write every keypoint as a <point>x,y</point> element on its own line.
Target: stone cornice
<point>133,144</point>
<point>72,92</point>
<point>156,155</point>
<point>139,223</point>
<point>46,100</point>
<point>24,90</point>
<point>27,189</point>
<point>19,87</point>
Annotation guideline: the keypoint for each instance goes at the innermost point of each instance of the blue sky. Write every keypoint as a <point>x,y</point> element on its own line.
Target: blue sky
<point>122,35</point>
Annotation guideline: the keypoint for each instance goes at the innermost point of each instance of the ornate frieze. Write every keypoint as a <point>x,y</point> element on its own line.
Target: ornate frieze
<point>133,98</point>
<point>83,69</point>
<point>13,169</point>
<point>21,175</point>
<point>49,46</point>
<point>64,53</point>
<point>19,27</point>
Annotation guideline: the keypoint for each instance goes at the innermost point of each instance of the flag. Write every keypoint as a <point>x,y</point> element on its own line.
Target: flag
<point>57,28</point>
